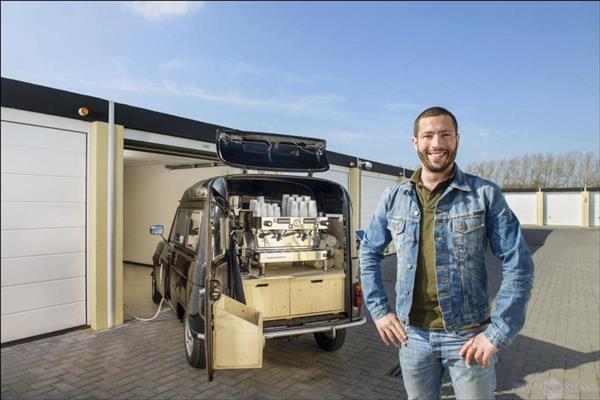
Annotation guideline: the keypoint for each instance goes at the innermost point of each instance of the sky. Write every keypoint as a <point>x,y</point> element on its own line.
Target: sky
<point>520,77</point>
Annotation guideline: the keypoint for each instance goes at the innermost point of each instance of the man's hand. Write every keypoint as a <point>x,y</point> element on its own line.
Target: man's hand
<point>391,330</point>
<point>478,348</point>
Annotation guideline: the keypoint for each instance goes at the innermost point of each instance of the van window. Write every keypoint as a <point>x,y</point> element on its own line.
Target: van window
<point>194,229</point>
<point>178,234</point>
<point>218,233</point>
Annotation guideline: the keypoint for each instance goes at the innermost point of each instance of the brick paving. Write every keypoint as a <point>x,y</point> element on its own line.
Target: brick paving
<point>556,355</point>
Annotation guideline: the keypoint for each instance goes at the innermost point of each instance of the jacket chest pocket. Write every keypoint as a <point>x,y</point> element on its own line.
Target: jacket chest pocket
<point>396,227</point>
<point>468,234</point>
<point>468,238</point>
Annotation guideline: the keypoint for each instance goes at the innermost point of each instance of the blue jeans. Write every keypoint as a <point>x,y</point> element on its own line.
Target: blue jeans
<point>429,354</point>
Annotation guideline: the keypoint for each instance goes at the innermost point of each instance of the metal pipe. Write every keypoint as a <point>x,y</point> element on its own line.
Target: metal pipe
<point>110,268</point>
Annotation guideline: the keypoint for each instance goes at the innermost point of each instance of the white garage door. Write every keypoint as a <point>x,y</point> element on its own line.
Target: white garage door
<point>524,205</point>
<point>372,185</point>
<point>562,208</point>
<point>595,208</point>
<point>336,174</point>
<point>43,229</point>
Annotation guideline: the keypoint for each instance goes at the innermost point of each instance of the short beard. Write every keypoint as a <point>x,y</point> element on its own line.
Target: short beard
<point>432,168</point>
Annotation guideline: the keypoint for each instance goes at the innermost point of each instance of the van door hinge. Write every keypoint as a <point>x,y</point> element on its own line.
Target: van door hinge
<point>214,290</point>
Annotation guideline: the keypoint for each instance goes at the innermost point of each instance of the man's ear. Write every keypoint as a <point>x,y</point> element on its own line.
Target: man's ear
<point>414,142</point>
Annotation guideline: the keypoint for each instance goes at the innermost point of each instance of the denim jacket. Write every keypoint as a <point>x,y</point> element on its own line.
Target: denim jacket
<point>470,212</point>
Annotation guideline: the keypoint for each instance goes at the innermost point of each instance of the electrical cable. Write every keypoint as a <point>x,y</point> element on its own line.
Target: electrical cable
<point>162,300</point>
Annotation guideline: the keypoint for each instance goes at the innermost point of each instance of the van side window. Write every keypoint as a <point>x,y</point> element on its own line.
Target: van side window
<point>194,229</point>
<point>178,234</point>
<point>218,233</point>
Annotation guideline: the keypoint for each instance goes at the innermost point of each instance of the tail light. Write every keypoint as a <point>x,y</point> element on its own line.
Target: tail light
<point>358,297</point>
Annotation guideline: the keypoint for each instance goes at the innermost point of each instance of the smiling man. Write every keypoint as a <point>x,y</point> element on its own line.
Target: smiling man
<point>441,221</point>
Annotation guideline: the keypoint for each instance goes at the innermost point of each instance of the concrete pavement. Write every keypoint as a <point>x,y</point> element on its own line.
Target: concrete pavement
<point>555,356</point>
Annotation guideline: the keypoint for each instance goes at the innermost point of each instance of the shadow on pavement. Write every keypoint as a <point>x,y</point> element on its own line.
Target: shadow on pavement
<point>549,356</point>
<point>535,238</point>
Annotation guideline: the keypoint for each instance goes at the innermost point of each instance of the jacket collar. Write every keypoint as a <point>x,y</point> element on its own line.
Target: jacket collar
<point>458,182</point>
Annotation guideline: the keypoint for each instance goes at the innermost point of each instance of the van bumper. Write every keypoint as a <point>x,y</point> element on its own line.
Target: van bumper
<point>283,332</point>
<point>330,327</point>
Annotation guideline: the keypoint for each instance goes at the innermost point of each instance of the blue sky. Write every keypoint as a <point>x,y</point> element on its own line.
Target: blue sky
<point>520,77</point>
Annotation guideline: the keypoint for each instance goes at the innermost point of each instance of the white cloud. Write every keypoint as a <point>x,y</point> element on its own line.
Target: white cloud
<point>307,104</point>
<point>343,136</point>
<point>484,133</point>
<point>402,106</point>
<point>243,68</point>
<point>157,10</point>
<point>174,64</point>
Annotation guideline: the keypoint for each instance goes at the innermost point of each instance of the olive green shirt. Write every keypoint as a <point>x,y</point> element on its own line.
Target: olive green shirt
<point>425,311</point>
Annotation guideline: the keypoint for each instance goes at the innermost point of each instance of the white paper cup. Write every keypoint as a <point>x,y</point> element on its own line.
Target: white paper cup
<point>294,210</point>
<point>312,208</point>
<point>303,209</point>
<point>284,202</point>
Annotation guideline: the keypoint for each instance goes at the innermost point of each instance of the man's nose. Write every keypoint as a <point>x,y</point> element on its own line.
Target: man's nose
<point>436,140</point>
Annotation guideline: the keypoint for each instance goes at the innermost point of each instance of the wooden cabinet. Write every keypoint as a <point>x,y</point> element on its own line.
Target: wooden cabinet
<point>269,296</point>
<point>317,294</point>
<point>292,296</point>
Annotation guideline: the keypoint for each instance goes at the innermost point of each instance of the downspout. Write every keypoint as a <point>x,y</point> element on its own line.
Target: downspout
<point>111,214</point>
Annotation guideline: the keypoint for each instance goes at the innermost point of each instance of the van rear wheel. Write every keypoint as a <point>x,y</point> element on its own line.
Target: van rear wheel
<point>329,341</point>
<point>194,347</point>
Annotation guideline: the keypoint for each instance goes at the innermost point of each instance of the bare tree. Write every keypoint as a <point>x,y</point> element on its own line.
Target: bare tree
<point>572,169</point>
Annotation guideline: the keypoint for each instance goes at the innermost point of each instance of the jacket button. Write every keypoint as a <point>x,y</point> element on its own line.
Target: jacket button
<point>409,266</point>
<point>416,213</point>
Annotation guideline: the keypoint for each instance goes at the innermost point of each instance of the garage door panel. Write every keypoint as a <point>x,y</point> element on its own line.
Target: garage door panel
<point>524,206</point>
<point>43,233</point>
<point>372,187</point>
<point>594,208</point>
<point>336,176</point>
<point>37,322</point>
<point>17,134</point>
<point>42,215</point>
<point>28,297</point>
<point>47,188</point>
<point>23,270</point>
<point>562,208</point>
<point>33,242</point>
<point>34,161</point>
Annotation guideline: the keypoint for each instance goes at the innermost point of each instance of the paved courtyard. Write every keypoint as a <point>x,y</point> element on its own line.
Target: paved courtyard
<point>556,355</point>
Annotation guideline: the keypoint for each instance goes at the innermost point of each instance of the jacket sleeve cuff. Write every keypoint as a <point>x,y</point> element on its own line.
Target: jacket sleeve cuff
<point>495,337</point>
<point>380,311</point>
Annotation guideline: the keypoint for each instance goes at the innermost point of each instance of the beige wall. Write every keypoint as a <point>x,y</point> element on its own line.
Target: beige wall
<point>98,226</point>
<point>151,195</point>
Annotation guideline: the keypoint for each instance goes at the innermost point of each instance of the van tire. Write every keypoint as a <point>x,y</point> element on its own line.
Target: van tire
<point>194,347</point>
<point>326,341</point>
<point>156,296</point>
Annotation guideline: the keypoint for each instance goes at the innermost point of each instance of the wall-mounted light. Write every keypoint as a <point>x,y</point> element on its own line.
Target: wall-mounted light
<point>83,111</point>
<point>365,164</point>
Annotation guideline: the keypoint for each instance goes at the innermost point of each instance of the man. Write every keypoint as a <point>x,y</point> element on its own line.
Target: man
<point>441,221</point>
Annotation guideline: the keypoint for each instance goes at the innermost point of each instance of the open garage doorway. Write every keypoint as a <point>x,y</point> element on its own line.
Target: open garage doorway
<point>152,186</point>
